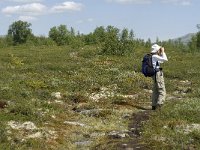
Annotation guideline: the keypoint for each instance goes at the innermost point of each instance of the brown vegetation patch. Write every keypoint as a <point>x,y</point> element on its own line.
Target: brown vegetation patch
<point>3,104</point>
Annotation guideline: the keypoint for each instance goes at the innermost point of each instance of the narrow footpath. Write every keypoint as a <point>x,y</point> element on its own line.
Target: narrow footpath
<point>135,125</point>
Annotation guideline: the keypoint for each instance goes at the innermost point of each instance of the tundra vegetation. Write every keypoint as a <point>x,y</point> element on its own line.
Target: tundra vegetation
<point>76,91</point>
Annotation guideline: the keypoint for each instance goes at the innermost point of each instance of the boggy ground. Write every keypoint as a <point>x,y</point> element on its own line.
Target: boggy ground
<point>135,125</point>
<point>140,118</point>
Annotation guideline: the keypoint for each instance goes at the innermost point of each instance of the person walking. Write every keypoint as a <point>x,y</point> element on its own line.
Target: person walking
<point>159,92</point>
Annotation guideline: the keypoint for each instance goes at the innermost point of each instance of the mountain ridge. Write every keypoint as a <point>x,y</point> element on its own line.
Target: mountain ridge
<point>185,39</point>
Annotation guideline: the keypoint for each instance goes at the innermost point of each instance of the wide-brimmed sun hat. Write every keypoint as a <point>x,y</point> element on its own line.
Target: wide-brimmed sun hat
<point>155,48</point>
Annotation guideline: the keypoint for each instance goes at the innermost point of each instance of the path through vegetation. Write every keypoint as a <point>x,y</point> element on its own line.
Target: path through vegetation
<point>135,127</point>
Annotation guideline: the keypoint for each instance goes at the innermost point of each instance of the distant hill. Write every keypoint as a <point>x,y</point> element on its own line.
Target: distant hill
<point>184,39</point>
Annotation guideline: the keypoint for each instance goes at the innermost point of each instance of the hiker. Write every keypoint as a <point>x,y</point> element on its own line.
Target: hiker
<point>159,91</point>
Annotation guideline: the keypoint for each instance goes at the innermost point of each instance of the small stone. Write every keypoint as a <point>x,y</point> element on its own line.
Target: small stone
<point>164,127</point>
<point>53,116</point>
<point>56,95</point>
<point>35,135</point>
<point>74,123</point>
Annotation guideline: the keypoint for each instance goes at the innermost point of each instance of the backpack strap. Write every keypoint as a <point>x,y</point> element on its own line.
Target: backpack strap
<point>157,64</point>
<point>156,71</point>
<point>150,62</point>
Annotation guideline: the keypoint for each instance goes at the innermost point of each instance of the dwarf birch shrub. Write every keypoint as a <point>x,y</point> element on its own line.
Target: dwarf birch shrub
<point>15,61</point>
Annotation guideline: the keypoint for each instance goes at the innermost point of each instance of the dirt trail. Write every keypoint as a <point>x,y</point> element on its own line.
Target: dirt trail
<point>136,122</point>
<point>135,134</point>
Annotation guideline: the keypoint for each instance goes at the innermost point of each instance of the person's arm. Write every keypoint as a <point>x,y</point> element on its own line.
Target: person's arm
<point>162,57</point>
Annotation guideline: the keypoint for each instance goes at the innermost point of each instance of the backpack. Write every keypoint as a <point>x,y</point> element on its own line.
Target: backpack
<point>147,66</point>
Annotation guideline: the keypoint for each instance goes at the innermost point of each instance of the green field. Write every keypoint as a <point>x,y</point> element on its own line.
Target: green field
<point>97,95</point>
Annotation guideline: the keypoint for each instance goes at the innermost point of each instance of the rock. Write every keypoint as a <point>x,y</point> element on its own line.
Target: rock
<point>56,95</point>
<point>26,125</point>
<point>59,101</point>
<point>92,112</point>
<point>96,134</point>
<point>28,130</point>
<point>182,91</point>
<point>126,116</point>
<point>74,123</point>
<point>117,134</point>
<point>53,116</point>
<point>148,91</point>
<point>186,82</point>
<point>35,135</point>
<point>188,128</point>
<point>102,94</point>
<point>83,143</point>
<point>124,145</point>
<point>73,54</point>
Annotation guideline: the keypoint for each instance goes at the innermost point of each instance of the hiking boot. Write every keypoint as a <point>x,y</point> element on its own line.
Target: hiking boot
<point>153,107</point>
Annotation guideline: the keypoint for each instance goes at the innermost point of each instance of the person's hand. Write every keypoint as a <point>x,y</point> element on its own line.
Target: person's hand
<point>162,49</point>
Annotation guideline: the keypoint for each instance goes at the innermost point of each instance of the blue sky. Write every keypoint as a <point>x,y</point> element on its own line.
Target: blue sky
<point>165,19</point>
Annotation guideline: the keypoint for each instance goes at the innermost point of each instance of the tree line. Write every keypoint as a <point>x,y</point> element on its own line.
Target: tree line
<point>111,39</point>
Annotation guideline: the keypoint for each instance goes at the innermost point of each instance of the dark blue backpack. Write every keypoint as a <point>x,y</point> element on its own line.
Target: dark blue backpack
<point>147,66</point>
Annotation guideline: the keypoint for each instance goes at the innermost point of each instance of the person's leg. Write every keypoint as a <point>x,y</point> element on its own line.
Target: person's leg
<point>154,94</point>
<point>161,88</point>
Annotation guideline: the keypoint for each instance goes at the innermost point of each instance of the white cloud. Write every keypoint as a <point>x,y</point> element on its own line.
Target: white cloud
<point>27,9</point>
<point>27,18</point>
<point>178,2</point>
<point>131,1</point>
<point>67,6</point>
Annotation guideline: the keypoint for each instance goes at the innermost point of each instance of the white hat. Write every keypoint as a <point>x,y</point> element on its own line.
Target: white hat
<point>155,48</point>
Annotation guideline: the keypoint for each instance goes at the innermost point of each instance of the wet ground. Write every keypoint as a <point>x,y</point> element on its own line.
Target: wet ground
<point>135,125</point>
